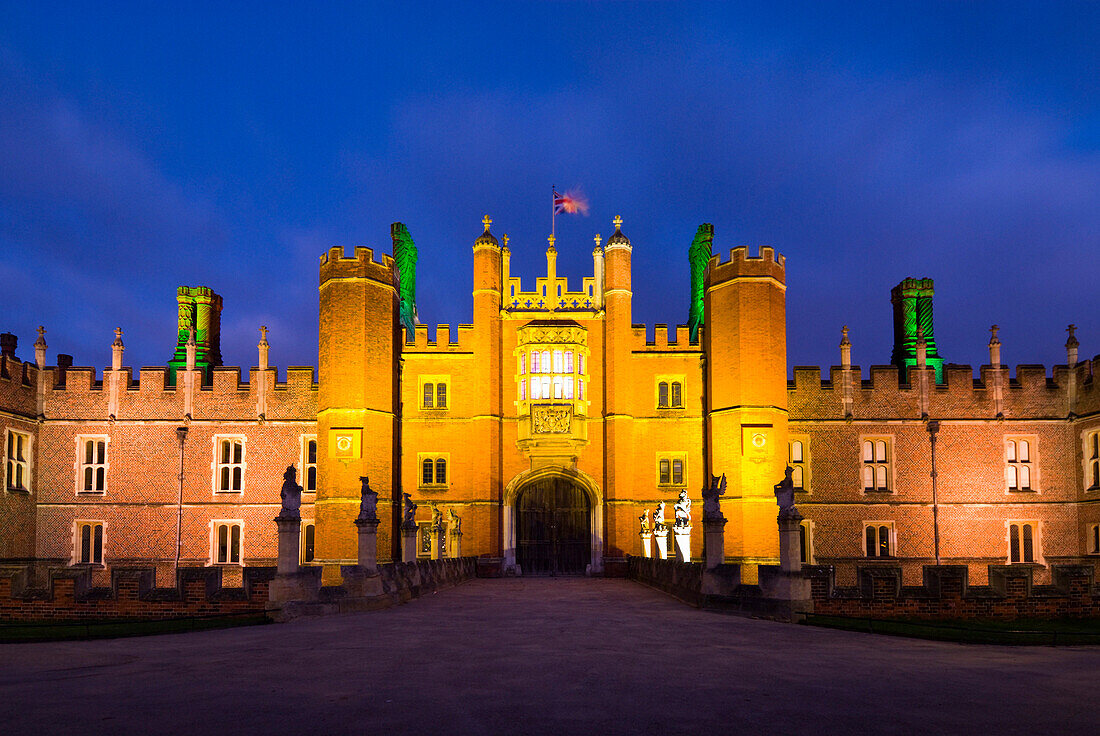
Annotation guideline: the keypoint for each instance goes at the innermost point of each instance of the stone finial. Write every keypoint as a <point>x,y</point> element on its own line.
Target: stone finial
<point>551,240</point>
<point>1071,346</point>
<point>618,222</point>
<point>922,348</point>
<point>40,348</point>
<point>598,239</point>
<point>505,239</point>
<point>116,350</point>
<point>264,347</point>
<point>486,221</point>
<point>994,347</point>
<point>845,348</point>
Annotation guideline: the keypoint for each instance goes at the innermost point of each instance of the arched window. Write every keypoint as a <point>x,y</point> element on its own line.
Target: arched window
<point>878,540</point>
<point>796,477</point>
<point>309,537</point>
<point>1021,542</point>
<point>677,472</point>
<point>677,399</point>
<point>662,395</point>
<point>427,472</point>
<point>796,451</point>
<point>876,465</point>
<point>94,464</point>
<point>230,465</point>
<point>311,466</point>
<point>429,395</point>
<point>665,471</point>
<point>441,471</point>
<point>1018,475</point>
<point>1093,444</point>
<point>441,396</point>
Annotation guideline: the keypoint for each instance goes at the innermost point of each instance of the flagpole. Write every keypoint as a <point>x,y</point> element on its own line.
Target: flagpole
<point>553,210</point>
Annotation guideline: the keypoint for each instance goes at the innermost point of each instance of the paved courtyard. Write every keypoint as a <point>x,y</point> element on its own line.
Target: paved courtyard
<point>560,656</point>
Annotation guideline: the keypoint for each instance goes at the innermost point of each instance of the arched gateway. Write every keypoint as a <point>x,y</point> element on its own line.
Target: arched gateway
<point>553,522</point>
<point>553,527</point>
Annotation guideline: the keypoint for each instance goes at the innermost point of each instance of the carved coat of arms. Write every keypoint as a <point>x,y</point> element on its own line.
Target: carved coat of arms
<point>550,419</point>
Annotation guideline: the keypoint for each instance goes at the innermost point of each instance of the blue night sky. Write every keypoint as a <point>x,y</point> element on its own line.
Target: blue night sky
<point>143,147</point>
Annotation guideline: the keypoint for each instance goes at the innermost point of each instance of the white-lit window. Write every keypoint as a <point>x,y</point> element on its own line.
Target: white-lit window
<point>568,361</point>
<point>522,390</point>
<point>17,468</point>
<point>559,362</point>
<point>878,539</point>
<point>876,464</point>
<point>535,362</point>
<point>92,468</point>
<point>546,364</point>
<point>580,388</point>
<point>309,464</point>
<point>522,363</point>
<point>226,542</point>
<point>1023,542</point>
<point>88,543</point>
<point>580,363</point>
<point>1018,467</point>
<point>568,387</point>
<point>229,464</point>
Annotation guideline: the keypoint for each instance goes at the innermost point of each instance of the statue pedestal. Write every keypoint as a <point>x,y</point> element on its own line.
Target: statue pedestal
<point>714,541</point>
<point>661,535</point>
<point>408,542</point>
<point>682,536</point>
<point>290,539</point>
<point>438,550</point>
<point>790,546</point>
<point>368,544</point>
<point>456,544</point>
<point>647,544</point>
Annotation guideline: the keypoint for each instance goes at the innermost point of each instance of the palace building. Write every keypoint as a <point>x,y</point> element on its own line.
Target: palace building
<point>546,428</point>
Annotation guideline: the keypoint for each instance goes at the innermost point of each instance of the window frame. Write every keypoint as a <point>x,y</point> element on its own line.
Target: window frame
<point>215,525</point>
<point>424,539</point>
<point>891,539</point>
<point>435,380</point>
<point>1090,459</point>
<point>79,464</point>
<point>672,458</point>
<point>1015,466</point>
<point>802,465</point>
<point>886,466</point>
<point>304,465</point>
<point>1092,539</point>
<point>806,542</point>
<point>1036,541</point>
<point>306,559</point>
<point>435,458</point>
<point>216,464</point>
<point>78,527</point>
<point>27,463</point>
<point>669,381</point>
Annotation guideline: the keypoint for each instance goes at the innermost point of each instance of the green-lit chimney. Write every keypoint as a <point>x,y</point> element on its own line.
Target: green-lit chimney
<point>912,300</point>
<point>199,308</point>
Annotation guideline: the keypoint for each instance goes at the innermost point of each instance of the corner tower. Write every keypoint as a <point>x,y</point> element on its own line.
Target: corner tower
<point>745,343</point>
<point>358,401</point>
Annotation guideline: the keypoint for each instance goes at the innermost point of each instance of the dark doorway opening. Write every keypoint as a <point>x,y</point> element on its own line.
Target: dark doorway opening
<point>553,528</point>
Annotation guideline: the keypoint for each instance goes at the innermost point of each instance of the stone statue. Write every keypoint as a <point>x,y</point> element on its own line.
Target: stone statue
<point>437,517</point>
<point>711,508</point>
<point>409,518</point>
<point>405,257</point>
<point>455,522</point>
<point>784,495</point>
<point>291,494</point>
<point>644,519</point>
<point>659,517</point>
<point>698,256</point>
<point>683,510</point>
<point>368,501</point>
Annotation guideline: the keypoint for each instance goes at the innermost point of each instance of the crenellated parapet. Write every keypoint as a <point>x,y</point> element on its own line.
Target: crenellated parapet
<point>741,264</point>
<point>662,340</point>
<point>362,264</point>
<point>448,339</point>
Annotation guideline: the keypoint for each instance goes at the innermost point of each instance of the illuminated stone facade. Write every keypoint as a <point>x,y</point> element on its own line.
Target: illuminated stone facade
<point>551,393</point>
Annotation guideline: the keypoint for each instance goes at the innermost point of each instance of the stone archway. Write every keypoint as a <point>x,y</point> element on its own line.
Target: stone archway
<point>548,512</point>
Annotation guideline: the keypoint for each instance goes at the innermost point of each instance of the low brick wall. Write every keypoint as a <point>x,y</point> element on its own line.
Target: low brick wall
<point>403,581</point>
<point>681,580</point>
<point>947,594</point>
<point>70,595</point>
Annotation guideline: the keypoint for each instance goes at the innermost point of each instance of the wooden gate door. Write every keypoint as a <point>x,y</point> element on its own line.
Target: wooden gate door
<point>553,529</point>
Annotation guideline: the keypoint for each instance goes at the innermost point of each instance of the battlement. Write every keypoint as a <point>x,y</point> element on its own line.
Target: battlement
<point>446,339</point>
<point>362,265</point>
<point>767,264</point>
<point>548,296</point>
<point>641,342</point>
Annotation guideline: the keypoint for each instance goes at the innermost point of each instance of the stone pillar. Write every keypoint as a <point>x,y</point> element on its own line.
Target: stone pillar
<point>368,544</point>
<point>661,535</point>
<point>714,543</point>
<point>790,547</point>
<point>438,538</point>
<point>290,531</point>
<point>456,543</point>
<point>408,542</point>
<point>682,537</point>
<point>647,544</point>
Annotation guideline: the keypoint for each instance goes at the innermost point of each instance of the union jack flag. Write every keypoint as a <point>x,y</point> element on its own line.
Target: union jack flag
<point>570,202</point>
